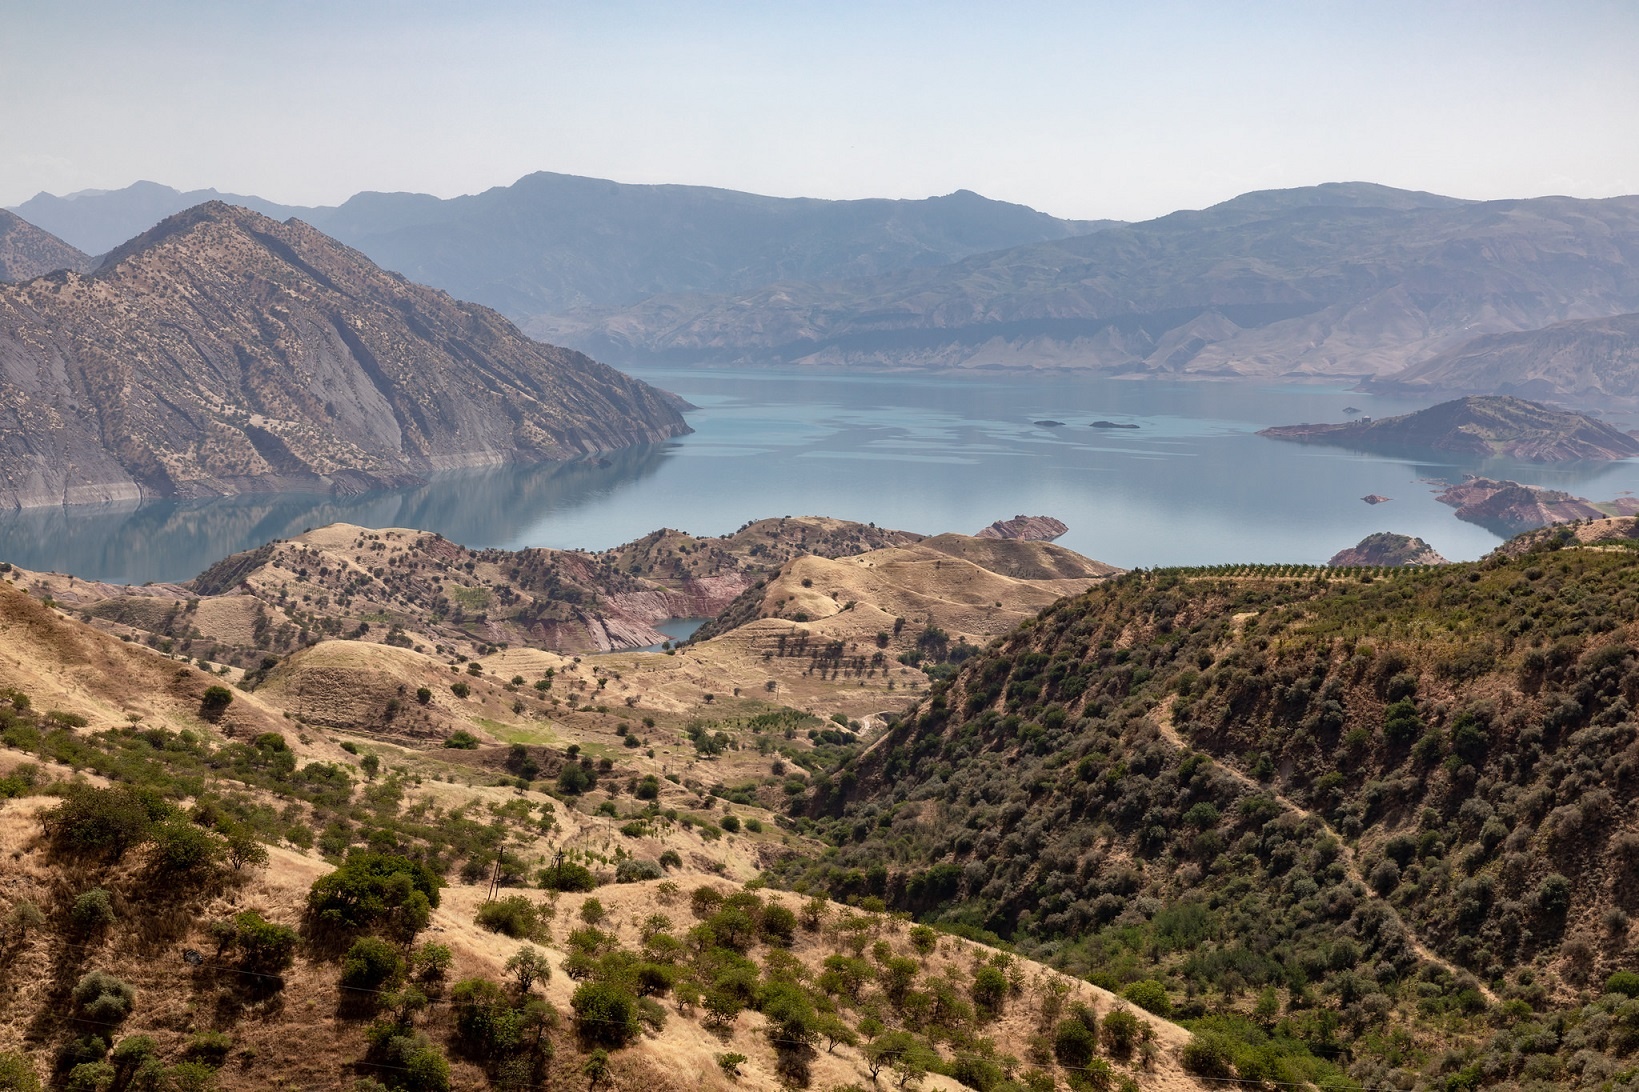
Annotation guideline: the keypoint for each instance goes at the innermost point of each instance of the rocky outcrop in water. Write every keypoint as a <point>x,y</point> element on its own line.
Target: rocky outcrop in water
<point>1028,528</point>
<point>225,352</point>
<point>1508,507</point>
<point>1481,425</point>
<point>1387,548</point>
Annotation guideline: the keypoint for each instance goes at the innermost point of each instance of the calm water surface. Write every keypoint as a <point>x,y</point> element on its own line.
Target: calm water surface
<point>1190,485</point>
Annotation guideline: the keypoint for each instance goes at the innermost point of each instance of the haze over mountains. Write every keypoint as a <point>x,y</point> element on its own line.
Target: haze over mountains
<point>1348,280</point>
<point>1335,280</point>
<point>551,242</point>
<point>224,352</point>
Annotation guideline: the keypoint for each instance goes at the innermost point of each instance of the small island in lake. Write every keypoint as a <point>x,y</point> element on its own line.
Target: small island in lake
<point>1049,424</point>
<point>1376,498</point>
<point>1483,425</point>
<point>1387,548</point>
<point>1029,528</point>
<point>1110,424</point>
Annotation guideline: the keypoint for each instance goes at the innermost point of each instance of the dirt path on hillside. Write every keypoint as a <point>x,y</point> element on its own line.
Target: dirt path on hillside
<point>1169,731</point>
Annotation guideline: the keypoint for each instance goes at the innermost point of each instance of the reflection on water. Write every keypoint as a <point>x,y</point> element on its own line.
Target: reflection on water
<point>1191,485</point>
<point>176,540</point>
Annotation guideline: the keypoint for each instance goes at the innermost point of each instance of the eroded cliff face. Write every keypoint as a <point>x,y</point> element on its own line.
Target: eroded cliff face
<point>224,352</point>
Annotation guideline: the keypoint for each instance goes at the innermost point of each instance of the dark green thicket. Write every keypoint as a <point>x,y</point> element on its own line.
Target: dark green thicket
<point>1435,755</point>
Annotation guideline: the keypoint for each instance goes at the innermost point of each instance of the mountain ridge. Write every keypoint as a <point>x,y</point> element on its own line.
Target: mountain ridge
<point>224,352</point>
<point>549,241</point>
<point>1309,287</point>
<point>1585,359</point>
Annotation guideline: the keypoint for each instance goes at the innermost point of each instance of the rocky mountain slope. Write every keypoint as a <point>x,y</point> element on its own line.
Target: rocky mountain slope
<point>1370,820</point>
<point>551,242</point>
<point>26,251</point>
<point>1585,360</point>
<point>1477,425</point>
<point>1343,279</point>
<point>224,352</point>
<point>1387,549</point>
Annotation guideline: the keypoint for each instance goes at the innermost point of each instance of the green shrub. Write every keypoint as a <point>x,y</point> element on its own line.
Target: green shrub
<point>515,916</point>
<point>264,946</point>
<point>90,1077</point>
<point>1209,1055</point>
<point>102,822</point>
<point>17,1073</point>
<point>92,911</point>
<point>1625,983</point>
<point>567,876</point>
<point>989,990</point>
<point>376,891</point>
<point>633,870</point>
<point>103,999</point>
<point>215,701</point>
<point>1074,1043</point>
<point>574,779</point>
<point>190,1077</point>
<point>183,851</point>
<point>1149,995</point>
<point>1121,1032</point>
<point>370,964</point>
<point>461,739</point>
<point>210,1047</point>
<point>605,1014</point>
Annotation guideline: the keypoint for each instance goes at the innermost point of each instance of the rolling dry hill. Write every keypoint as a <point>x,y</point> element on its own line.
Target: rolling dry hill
<point>187,945</point>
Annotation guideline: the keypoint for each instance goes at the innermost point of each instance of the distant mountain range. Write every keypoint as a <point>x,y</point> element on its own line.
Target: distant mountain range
<point>553,242</point>
<point>224,352</point>
<point>1336,280</point>
<point>1342,280</point>
<point>1587,360</point>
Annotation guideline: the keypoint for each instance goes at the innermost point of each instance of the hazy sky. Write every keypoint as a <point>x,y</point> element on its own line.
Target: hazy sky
<point>1085,109</point>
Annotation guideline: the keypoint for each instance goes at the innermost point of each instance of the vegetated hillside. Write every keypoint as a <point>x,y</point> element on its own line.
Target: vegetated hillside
<point>1374,817</point>
<point>1345,279</point>
<point>1585,359</point>
<point>551,242</point>
<point>1484,425</point>
<point>219,898</point>
<point>26,251</point>
<point>223,352</point>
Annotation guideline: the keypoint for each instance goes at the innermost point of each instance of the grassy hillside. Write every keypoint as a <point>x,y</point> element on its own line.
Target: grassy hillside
<point>1374,820</point>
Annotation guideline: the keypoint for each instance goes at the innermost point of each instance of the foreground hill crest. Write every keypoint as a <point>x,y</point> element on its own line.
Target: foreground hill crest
<point>225,352</point>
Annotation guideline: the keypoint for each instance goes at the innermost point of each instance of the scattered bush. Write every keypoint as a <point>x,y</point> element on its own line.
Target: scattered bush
<point>515,916</point>
<point>1149,995</point>
<point>103,999</point>
<point>370,964</point>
